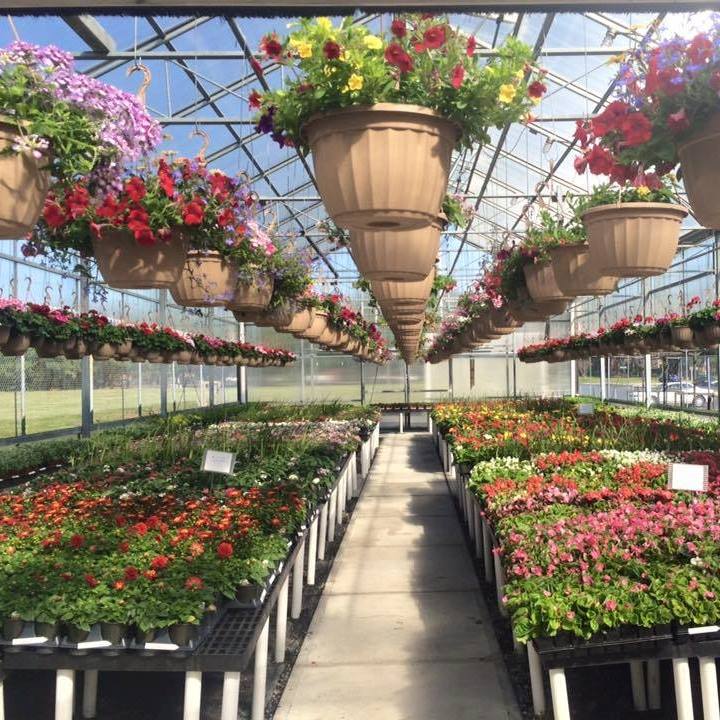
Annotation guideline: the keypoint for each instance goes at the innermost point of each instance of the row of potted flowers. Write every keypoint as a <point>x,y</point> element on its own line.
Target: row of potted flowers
<point>698,330</point>
<point>54,332</point>
<point>153,546</point>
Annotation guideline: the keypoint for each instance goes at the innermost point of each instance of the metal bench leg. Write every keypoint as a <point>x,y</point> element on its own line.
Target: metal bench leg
<point>322,537</point>
<point>653,682</point>
<point>260,676</point>
<point>312,551</point>
<point>637,678</point>
<point>558,690</point>
<point>281,622</point>
<point>536,680</point>
<point>90,685</point>
<point>193,694</point>
<point>230,696</point>
<point>297,583</point>
<point>709,687</point>
<point>683,689</point>
<point>64,694</point>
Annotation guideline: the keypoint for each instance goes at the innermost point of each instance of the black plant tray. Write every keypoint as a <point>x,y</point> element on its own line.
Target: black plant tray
<point>628,643</point>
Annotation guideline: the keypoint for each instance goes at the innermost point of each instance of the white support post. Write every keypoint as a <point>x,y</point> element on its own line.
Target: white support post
<point>500,585</point>
<point>90,685</point>
<point>297,583</point>
<point>352,470</point>
<point>402,423</point>
<point>312,551</point>
<point>323,531</point>
<point>342,487</point>
<point>64,694</point>
<point>709,688</point>
<point>683,689</point>
<point>478,531</point>
<point>281,611</point>
<point>536,680</point>
<point>637,679</point>
<point>648,381</point>
<point>332,515</point>
<point>558,690</point>
<point>487,551</point>
<point>230,696</point>
<point>2,695</point>
<point>603,378</point>
<point>260,675</point>
<point>193,693</point>
<point>653,683</point>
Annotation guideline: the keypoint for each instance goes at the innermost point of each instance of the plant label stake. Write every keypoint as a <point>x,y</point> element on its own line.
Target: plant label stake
<point>586,409</point>
<point>216,461</point>
<point>691,478</point>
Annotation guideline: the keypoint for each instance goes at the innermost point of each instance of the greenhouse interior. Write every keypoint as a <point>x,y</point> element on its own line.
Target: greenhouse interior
<point>359,362</point>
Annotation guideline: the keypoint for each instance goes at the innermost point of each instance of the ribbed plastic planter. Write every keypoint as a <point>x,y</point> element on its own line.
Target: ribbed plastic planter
<point>397,294</point>
<point>541,283</point>
<point>251,295</point>
<point>316,327</point>
<point>575,273</point>
<point>206,280</point>
<point>300,322</point>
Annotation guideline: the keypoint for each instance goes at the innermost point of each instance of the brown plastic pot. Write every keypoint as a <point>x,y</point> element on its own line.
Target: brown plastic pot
<point>331,337</point>
<point>633,239</point>
<point>701,172</point>
<point>383,166</point>
<point>252,295</point>
<point>682,336</point>
<point>316,327</point>
<point>709,336</point>
<point>541,283</point>
<point>4,334</point>
<point>503,321</point>
<point>24,185</point>
<point>125,263</point>
<point>575,273</point>
<point>398,294</point>
<point>405,256</point>
<point>76,348</point>
<point>301,321</point>
<point>279,316</point>
<point>17,344</point>
<point>102,351</point>
<point>47,348</point>
<point>206,280</point>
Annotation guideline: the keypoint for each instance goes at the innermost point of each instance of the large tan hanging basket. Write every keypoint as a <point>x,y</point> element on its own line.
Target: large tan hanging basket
<point>279,316</point>
<point>300,322</point>
<point>536,312</point>
<point>248,316</point>
<point>574,272</point>
<point>633,239</point>
<point>207,280</point>
<point>316,327</point>
<point>24,185</point>
<point>404,293</point>
<point>331,337</point>
<point>126,264</point>
<point>252,295</point>
<point>700,163</point>
<point>503,322</point>
<point>405,256</point>
<point>541,283</point>
<point>383,166</point>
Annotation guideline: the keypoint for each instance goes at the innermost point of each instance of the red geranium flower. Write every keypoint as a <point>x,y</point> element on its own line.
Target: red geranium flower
<point>160,562</point>
<point>77,541</point>
<point>458,75</point>
<point>135,189</point>
<point>224,550</point>
<point>131,573</point>
<point>194,583</point>
<point>396,55</point>
<point>331,50</point>
<point>271,46</point>
<point>537,89</point>
<point>398,28</point>
<point>471,45</point>
<point>434,37</point>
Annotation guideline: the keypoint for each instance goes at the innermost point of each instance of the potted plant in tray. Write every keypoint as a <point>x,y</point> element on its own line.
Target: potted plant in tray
<point>60,125</point>
<point>705,325</point>
<point>382,113</point>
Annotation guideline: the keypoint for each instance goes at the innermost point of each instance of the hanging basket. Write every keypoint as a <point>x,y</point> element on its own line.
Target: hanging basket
<point>503,322</point>
<point>316,327</point>
<point>708,336</point>
<point>301,321</point>
<point>247,317</point>
<point>398,294</point>
<point>46,349</point>
<point>682,336</point>
<point>126,264</point>
<point>575,273</point>
<point>206,280</point>
<point>331,337</point>
<point>102,351</point>
<point>24,185</point>
<point>541,283</point>
<point>701,172</point>
<point>252,295</point>
<point>633,239</point>
<point>279,316</point>
<point>405,256</point>
<point>383,166</point>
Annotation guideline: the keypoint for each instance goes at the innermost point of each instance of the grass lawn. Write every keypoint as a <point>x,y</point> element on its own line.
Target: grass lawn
<point>613,380</point>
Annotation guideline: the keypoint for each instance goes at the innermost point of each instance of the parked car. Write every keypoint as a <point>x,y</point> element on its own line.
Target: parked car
<point>683,393</point>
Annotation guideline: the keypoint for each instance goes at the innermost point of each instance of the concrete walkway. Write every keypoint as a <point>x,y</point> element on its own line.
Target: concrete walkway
<point>401,632</point>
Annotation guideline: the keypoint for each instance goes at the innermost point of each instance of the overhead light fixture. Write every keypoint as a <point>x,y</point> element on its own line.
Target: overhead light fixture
<point>609,38</point>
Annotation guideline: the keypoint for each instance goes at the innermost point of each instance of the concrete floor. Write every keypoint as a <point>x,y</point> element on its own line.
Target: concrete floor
<point>401,632</point>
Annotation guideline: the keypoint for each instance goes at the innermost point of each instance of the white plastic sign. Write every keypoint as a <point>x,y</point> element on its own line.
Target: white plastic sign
<point>585,409</point>
<point>216,461</point>
<point>692,478</point>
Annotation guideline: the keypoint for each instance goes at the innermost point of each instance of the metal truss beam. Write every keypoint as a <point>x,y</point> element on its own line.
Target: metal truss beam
<point>92,33</point>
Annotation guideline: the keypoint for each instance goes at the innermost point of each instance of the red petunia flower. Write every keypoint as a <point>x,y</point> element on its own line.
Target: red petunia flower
<point>636,129</point>
<point>53,214</point>
<point>271,46</point>
<point>537,89</point>
<point>457,77</point>
<point>701,49</point>
<point>471,45</point>
<point>398,28</point>
<point>609,120</point>
<point>111,208</point>
<point>224,550</point>
<point>396,55</point>
<point>193,213</point>
<point>678,122</point>
<point>226,218</point>
<point>331,50</point>
<point>144,236</point>
<point>434,37</point>
<point>255,100</point>
<point>599,160</point>
<point>135,189</point>
<point>76,202</point>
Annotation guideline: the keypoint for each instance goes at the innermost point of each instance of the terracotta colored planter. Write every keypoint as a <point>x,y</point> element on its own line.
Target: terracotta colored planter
<point>682,336</point>
<point>125,263</point>
<point>17,344</point>
<point>331,337</point>
<point>398,294</point>
<point>537,312</point>
<point>252,295</point>
<point>248,317</point>
<point>709,336</point>
<point>184,357</point>
<point>382,167</point>
<point>404,321</point>
<point>503,321</point>
<point>206,280</point>
<point>574,272</point>
<point>4,334</point>
<point>315,329</point>
<point>542,285</point>
<point>123,349</point>
<point>155,357</point>
<point>279,316</point>
<point>405,256</point>
<point>47,348</point>
<point>633,239</point>
<point>301,321</point>
<point>76,348</point>
<point>23,186</point>
<point>701,172</point>
<point>103,351</point>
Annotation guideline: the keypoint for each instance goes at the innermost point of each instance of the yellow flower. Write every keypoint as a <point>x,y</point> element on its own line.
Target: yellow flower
<point>616,59</point>
<point>520,74</point>
<point>643,191</point>
<point>355,82</point>
<point>324,24</point>
<point>372,42</point>
<point>507,93</point>
<point>305,50</point>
